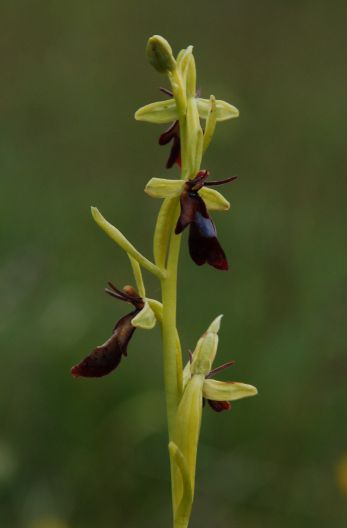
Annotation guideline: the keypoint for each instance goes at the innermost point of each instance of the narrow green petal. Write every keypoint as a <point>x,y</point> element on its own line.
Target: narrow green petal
<point>214,200</point>
<point>226,390</point>
<point>159,112</point>
<point>224,110</point>
<point>162,188</point>
<point>145,319</point>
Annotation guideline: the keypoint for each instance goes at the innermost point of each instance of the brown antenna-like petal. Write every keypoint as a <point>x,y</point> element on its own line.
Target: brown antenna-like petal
<point>214,183</point>
<point>127,294</point>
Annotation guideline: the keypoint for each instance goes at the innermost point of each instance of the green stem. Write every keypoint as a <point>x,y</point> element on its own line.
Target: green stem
<point>169,282</point>
<point>169,300</point>
<point>173,363</point>
<point>172,378</point>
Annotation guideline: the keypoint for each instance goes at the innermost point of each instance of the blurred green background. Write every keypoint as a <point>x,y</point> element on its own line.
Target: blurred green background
<point>86,454</point>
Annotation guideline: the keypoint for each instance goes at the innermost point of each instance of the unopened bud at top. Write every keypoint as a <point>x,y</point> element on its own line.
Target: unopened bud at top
<point>160,55</point>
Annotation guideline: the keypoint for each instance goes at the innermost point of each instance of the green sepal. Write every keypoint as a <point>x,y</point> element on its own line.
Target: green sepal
<point>214,200</point>
<point>227,390</point>
<point>162,188</point>
<point>224,110</point>
<point>145,319</point>
<point>159,112</point>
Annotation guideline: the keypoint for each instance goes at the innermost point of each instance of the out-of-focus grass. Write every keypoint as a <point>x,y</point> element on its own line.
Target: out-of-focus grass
<point>93,453</point>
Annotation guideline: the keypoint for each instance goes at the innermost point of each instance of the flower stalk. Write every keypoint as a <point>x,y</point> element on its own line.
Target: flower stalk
<point>186,202</point>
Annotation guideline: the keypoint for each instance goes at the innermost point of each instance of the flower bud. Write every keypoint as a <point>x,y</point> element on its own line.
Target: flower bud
<point>160,55</point>
<point>206,349</point>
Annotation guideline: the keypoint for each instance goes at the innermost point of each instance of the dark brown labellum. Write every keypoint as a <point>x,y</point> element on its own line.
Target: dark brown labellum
<point>219,406</point>
<point>203,243</point>
<point>107,357</point>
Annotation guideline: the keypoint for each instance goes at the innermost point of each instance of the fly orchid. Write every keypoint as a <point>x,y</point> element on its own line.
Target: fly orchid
<point>106,358</point>
<point>198,386</point>
<point>186,203</point>
<point>196,198</point>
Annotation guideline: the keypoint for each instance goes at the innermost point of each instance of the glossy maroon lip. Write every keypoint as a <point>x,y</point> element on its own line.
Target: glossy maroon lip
<point>106,357</point>
<point>203,243</point>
